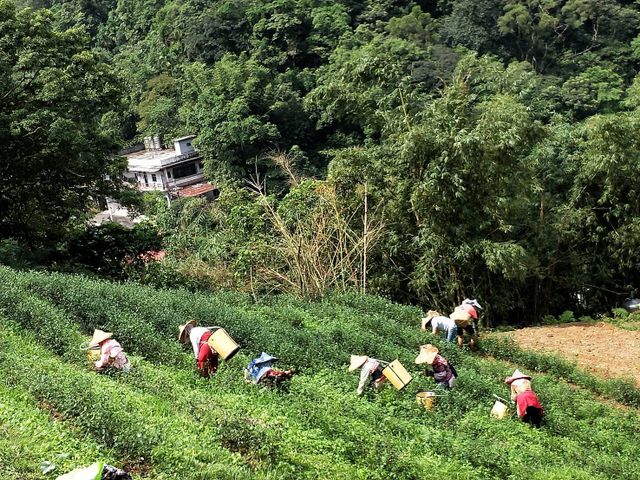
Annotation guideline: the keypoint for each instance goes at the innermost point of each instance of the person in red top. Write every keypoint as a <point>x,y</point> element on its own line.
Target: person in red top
<point>465,315</point>
<point>527,404</point>
<point>206,357</point>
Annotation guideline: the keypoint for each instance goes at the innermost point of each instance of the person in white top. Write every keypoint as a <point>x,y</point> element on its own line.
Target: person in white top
<point>440,323</point>
<point>371,372</point>
<point>206,356</point>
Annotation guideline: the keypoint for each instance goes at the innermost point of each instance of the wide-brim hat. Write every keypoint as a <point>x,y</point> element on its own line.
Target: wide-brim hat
<point>427,354</point>
<point>183,328</point>
<point>357,361</point>
<point>431,314</point>
<point>517,375</point>
<point>264,358</point>
<point>460,314</point>
<point>99,336</point>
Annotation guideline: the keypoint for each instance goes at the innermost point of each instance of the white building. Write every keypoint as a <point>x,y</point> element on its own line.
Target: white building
<point>167,169</point>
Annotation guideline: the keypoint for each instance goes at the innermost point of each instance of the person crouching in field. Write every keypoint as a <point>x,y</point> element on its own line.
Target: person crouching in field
<point>261,371</point>
<point>370,372</point>
<point>443,373</point>
<point>527,403</point>
<point>464,317</point>
<point>206,356</point>
<point>112,355</point>
<point>440,323</point>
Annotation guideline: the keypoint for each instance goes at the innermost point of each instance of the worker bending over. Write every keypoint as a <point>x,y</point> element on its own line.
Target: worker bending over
<point>527,403</point>
<point>370,372</point>
<point>440,323</point>
<point>464,317</point>
<point>112,356</point>
<point>206,356</point>
<point>260,370</point>
<point>443,373</point>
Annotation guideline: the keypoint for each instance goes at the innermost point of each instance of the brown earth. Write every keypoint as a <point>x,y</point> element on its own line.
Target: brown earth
<point>600,348</point>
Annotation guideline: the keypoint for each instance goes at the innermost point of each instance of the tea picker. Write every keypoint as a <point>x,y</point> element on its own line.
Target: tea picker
<point>440,323</point>
<point>261,371</point>
<point>370,372</point>
<point>528,406</point>
<point>208,343</point>
<point>105,353</point>
<point>442,371</point>
<point>377,371</point>
<point>464,317</point>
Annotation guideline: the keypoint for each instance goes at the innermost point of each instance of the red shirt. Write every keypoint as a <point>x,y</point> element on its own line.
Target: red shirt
<point>527,399</point>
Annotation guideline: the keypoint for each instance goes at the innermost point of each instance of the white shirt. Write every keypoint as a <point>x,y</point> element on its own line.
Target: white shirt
<point>195,335</point>
<point>442,323</point>
<point>367,370</point>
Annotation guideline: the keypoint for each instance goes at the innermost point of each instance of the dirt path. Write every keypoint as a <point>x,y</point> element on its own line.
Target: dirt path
<point>599,347</point>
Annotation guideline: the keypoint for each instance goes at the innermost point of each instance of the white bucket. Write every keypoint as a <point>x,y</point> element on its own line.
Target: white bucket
<point>499,410</point>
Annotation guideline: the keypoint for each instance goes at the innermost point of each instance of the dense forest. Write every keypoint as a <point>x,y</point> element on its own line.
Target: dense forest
<point>423,150</point>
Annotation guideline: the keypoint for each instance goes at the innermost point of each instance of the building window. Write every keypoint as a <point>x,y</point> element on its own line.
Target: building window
<point>169,173</point>
<point>154,179</point>
<point>201,165</point>
<point>185,170</point>
<point>188,144</point>
<point>146,180</point>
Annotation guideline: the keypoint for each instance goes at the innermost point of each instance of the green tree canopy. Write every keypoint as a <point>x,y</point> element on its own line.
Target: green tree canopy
<point>53,92</point>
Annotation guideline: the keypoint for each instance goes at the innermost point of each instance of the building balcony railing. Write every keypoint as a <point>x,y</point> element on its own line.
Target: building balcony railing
<point>180,158</point>
<point>184,181</point>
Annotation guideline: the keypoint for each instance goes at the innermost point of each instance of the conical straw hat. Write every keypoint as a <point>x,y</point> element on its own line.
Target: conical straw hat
<point>99,336</point>
<point>517,375</point>
<point>460,314</point>
<point>427,354</point>
<point>430,315</point>
<point>182,328</point>
<point>357,361</point>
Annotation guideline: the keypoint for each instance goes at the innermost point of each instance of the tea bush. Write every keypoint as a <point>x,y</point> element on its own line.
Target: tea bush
<point>30,436</point>
<point>621,390</point>
<point>163,415</point>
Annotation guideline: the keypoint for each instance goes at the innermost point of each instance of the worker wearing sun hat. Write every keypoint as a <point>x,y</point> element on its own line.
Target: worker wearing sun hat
<point>527,403</point>
<point>464,317</point>
<point>261,369</point>
<point>370,371</point>
<point>443,373</point>
<point>206,357</point>
<point>111,353</point>
<point>440,323</point>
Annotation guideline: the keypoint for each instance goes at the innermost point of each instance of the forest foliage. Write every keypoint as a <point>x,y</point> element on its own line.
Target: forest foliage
<point>493,142</point>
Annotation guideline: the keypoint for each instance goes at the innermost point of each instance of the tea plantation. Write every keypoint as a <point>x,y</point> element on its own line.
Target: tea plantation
<point>164,422</point>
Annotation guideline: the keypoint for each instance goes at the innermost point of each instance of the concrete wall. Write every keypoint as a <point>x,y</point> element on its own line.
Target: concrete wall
<point>183,146</point>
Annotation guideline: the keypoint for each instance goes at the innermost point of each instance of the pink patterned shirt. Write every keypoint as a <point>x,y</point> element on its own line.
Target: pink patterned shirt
<point>112,354</point>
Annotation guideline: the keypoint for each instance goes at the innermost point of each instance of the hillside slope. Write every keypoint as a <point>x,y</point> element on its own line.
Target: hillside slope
<point>165,422</point>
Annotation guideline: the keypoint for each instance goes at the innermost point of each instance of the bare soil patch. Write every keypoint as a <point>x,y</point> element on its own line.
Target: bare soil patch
<point>600,348</point>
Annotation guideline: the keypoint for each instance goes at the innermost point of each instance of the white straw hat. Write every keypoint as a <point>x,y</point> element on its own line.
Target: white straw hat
<point>427,354</point>
<point>182,328</point>
<point>517,375</point>
<point>357,361</point>
<point>99,336</point>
